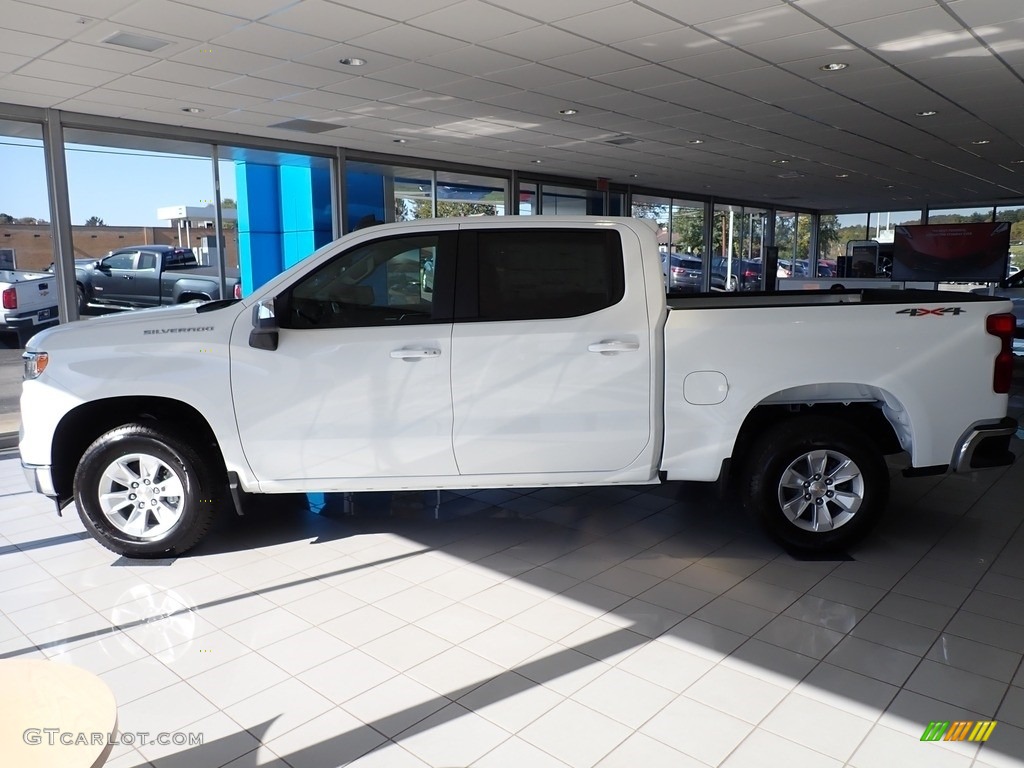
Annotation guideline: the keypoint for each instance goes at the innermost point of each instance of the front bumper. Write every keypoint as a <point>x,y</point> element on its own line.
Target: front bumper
<point>40,479</point>
<point>985,445</point>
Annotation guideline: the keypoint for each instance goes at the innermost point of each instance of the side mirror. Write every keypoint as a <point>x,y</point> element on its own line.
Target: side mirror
<point>264,333</point>
<point>98,264</point>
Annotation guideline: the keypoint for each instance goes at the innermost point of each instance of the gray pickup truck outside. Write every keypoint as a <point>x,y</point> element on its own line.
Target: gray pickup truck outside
<point>148,276</point>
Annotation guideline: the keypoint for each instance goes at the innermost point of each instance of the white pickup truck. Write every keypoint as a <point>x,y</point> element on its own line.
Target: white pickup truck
<point>28,302</point>
<point>510,352</point>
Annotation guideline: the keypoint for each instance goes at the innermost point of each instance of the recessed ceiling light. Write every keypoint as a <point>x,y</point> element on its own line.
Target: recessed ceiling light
<point>842,175</point>
<point>780,162</point>
<point>538,162</point>
<point>890,186</point>
<point>569,111</point>
<point>695,141</point>
<point>1017,162</point>
<point>192,110</point>
<point>927,113</point>
<point>352,61</point>
<point>981,141</point>
<point>399,141</point>
<point>634,175</point>
<point>833,66</point>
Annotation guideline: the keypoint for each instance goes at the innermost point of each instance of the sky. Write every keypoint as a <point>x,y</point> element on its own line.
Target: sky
<point>122,187</point>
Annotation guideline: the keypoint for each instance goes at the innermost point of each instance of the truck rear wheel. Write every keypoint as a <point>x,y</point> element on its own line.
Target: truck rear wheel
<point>144,492</point>
<point>816,483</point>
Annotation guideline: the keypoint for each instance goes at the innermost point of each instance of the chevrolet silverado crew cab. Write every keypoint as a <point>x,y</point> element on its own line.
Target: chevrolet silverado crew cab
<point>510,352</point>
<point>148,276</point>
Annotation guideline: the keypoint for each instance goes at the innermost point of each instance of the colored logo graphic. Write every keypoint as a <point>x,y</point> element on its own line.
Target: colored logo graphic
<point>959,730</point>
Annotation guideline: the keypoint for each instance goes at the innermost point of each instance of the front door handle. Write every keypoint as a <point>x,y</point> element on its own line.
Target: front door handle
<point>414,354</point>
<point>613,346</point>
<point>127,277</point>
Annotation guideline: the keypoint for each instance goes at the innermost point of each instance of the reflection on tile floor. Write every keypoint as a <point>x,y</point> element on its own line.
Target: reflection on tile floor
<point>612,627</point>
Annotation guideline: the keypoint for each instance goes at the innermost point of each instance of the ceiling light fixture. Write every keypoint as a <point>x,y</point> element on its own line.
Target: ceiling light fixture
<point>634,175</point>
<point>927,113</point>
<point>842,175</point>
<point>352,61</point>
<point>981,141</point>
<point>399,141</point>
<point>695,141</point>
<point>890,186</point>
<point>1017,162</point>
<point>538,162</point>
<point>780,162</point>
<point>192,110</point>
<point>569,111</point>
<point>833,66</point>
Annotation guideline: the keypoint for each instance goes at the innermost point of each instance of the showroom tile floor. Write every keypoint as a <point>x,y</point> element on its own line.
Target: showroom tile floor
<point>613,627</point>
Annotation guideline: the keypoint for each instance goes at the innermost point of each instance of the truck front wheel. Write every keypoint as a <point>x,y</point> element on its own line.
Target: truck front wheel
<point>816,483</point>
<point>144,492</point>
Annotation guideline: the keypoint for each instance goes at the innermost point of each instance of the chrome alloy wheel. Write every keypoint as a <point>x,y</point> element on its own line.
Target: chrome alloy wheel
<point>141,495</point>
<point>821,490</point>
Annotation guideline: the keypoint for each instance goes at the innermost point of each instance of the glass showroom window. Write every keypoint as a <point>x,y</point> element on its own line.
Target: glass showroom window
<point>460,194</point>
<point>1015,215</point>
<point>881,224</point>
<point>835,231</point>
<point>527,199</point>
<point>129,191</point>
<point>571,201</point>
<point>960,215</point>
<point>737,246</point>
<point>25,244</point>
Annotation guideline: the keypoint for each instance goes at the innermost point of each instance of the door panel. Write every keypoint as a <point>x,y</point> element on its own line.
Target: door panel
<point>359,385</point>
<point>568,387</point>
<point>112,281</point>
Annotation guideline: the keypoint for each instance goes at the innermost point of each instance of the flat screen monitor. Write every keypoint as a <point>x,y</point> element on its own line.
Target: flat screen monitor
<point>976,253</point>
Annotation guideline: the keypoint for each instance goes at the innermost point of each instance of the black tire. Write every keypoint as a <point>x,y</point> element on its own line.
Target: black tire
<point>83,305</point>
<point>836,504</point>
<point>170,478</point>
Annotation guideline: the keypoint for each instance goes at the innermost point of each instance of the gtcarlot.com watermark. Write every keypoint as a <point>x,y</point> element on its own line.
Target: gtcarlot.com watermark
<point>55,736</point>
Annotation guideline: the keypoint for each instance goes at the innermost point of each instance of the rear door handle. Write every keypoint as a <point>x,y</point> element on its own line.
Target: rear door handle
<point>613,346</point>
<point>414,354</point>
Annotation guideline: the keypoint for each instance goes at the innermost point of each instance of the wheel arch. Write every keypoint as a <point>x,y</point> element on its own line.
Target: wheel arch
<point>875,412</point>
<point>82,425</point>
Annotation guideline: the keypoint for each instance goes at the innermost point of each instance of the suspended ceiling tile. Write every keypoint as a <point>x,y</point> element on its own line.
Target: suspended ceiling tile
<point>640,78</point>
<point>473,89</point>
<point>329,58</point>
<point>9,62</point>
<point>34,19</point>
<point>531,77</point>
<point>226,59</point>
<point>702,11</point>
<point>720,62</point>
<point>594,61</point>
<point>168,17</point>
<point>244,9</point>
<point>766,24</point>
<point>185,73</point>
<point>903,31</point>
<point>368,89</point>
<point>580,89</point>
<point>400,10</point>
<point>473,60</point>
<point>674,44</point>
<point>79,75</point>
<point>303,74</point>
<point>616,23</point>
<point>835,14</point>
<point>977,13</point>
<point>100,57</point>
<point>808,45</point>
<point>25,43</point>
<point>540,43</point>
<point>416,75</point>
<point>473,21</point>
<point>42,87</point>
<point>254,86</point>
<point>271,41</point>
<point>324,19</point>
<point>411,42</point>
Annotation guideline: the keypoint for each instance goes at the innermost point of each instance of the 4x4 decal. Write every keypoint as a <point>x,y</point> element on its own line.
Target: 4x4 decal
<point>921,311</point>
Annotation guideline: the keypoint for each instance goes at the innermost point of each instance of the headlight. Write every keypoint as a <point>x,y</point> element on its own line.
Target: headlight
<point>35,363</point>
